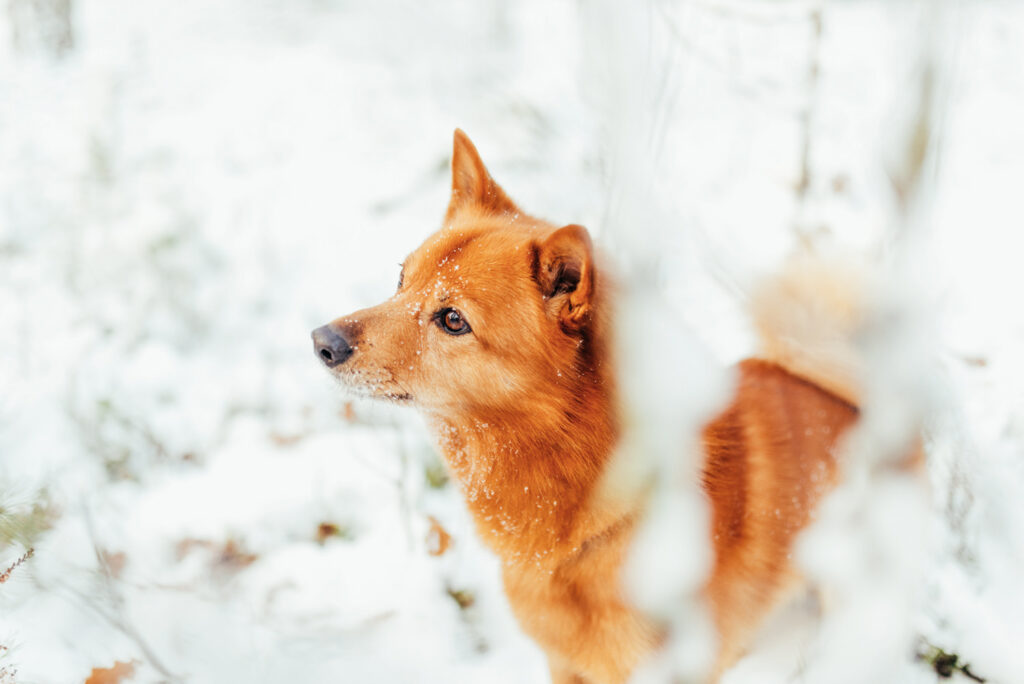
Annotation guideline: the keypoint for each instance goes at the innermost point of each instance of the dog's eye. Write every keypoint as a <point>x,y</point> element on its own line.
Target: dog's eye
<point>452,322</point>
<point>401,277</point>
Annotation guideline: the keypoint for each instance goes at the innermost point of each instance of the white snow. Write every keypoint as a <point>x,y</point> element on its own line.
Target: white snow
<point>198,184</point>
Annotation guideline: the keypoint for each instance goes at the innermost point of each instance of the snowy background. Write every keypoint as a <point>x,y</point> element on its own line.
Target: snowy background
<point>188,188</point>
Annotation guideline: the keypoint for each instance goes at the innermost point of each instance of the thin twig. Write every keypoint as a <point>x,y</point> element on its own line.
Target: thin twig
<point>806,121</point>
<point>7,573</point>
<point>698,53</point>
<point>117,619</point>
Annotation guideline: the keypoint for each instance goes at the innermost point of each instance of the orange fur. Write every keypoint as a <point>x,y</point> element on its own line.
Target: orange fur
<point>524,411</point>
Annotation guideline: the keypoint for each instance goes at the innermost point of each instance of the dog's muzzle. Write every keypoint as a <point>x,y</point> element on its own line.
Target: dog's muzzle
<point>332,348</point>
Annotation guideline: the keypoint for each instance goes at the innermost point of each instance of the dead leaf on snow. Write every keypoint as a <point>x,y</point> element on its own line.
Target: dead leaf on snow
<point>111,675</point>
<point>113,562</point>
<point>438,539</point>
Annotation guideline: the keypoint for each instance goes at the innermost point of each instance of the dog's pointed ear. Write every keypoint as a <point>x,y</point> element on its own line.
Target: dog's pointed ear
<point>564,270</point>
<point>471,184</point>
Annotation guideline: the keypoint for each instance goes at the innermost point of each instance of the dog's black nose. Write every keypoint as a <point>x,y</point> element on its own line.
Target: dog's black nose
<point>330,346</point>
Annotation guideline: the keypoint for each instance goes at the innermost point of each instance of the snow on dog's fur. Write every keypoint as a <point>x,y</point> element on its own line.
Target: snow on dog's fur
<point>500,334</point>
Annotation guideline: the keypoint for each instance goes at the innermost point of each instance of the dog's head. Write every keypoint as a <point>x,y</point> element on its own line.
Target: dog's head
<point>490,310</point>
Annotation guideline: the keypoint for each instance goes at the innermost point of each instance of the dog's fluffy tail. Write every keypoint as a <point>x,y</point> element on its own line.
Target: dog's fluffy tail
<point>808,317</point>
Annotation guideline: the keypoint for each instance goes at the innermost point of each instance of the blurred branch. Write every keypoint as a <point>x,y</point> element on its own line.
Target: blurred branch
<point>116,454</point>
<point>25,527</point>
<point>877,516</point>
<point>906,171</point>
<point>945,664</point>
<point>699,54</point>
<point>768,13</point>
<point>42,24</point>
<point>911,171</point>
<point>115,614</point>
<point>806,117</point>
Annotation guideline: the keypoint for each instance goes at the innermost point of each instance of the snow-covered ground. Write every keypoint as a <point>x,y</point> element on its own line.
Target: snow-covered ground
<point>197,184</point>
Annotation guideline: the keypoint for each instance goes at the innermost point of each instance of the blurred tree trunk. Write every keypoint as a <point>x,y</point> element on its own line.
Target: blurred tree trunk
<point>41,26</point>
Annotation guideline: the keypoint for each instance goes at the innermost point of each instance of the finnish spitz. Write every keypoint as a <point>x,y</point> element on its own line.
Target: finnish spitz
<point>500,334</point>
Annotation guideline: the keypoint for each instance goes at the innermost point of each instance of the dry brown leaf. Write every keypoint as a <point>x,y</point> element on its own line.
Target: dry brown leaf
<point>234,557</point>
<point>111,675</point>
<point>282,440</point>
<point>325,531</point>
<point>463,597</point>
<point>438,539</point>
<point>188,545</point>
<point>231,556</point>
<point>113,562</point>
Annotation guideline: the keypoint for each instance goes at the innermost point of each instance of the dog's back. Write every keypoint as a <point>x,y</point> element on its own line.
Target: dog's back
<point>770,456</point>
<point>769,459</point>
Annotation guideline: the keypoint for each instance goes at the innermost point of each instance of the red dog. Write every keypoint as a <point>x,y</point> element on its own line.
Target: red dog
<point>500,334</point>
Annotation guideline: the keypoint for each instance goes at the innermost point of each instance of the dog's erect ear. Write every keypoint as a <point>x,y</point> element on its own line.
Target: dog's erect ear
<point>564,269</point>
<point>471,184</point>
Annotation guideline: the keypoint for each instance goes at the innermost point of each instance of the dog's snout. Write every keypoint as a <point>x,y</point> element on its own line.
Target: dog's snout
<point>331,346</point>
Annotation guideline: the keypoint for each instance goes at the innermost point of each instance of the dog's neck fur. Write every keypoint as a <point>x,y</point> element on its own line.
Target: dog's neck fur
<point>514,495</point>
